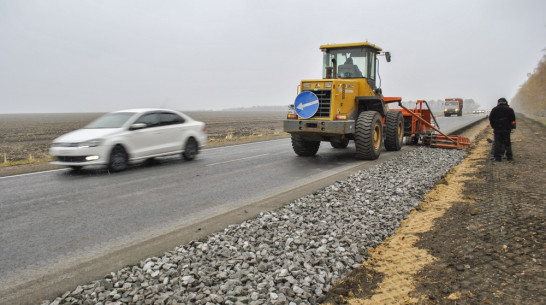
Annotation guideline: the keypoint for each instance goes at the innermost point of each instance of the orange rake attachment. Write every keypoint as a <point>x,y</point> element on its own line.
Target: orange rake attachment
<point>444,141</point>
<point>433,140</point>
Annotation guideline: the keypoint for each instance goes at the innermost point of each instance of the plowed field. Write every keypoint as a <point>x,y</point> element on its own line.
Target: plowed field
<point>25,138</point>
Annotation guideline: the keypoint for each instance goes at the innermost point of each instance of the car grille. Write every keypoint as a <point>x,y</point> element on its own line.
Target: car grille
<point>71,158</point>
<point>325,99</point>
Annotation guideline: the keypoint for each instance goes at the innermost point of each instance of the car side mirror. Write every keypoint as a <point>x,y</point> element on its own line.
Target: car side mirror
<point>388,56</point>
<point>137,126</point>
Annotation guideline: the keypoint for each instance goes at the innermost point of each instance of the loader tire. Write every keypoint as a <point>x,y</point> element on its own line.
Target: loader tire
<point>394,130</point>
<point>369,134</point>
<point>343,144</point>
<point>304,148</point>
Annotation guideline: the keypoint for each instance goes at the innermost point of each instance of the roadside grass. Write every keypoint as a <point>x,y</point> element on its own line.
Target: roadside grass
<point>30,160</point>
<point>539,119</point>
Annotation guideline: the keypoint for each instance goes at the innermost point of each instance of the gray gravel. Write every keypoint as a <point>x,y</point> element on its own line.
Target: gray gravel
<point>288,256</point>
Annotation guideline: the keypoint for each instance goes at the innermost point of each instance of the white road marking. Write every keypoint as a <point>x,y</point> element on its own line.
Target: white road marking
<point>35,173</point>
<point>235,160</point>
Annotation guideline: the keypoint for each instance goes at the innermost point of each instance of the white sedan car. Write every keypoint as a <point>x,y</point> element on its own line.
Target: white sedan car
<point>125,136</point>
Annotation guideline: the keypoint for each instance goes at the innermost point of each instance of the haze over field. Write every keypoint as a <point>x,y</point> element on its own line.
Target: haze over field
<point>100,55</point>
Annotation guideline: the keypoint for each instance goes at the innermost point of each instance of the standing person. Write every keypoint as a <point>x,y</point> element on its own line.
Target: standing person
<point>502,119</point>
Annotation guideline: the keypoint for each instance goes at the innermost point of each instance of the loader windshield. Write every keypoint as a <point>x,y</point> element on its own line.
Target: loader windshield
<point>354,62</point>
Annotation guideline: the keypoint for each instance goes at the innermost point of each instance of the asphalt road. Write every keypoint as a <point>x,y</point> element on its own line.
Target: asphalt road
<point>51,220</point>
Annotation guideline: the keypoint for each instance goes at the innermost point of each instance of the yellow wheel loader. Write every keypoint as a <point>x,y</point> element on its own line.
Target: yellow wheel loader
<point>346,104</point>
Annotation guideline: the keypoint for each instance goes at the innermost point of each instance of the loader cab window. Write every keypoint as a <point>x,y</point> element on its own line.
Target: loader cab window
<point>357,62</point>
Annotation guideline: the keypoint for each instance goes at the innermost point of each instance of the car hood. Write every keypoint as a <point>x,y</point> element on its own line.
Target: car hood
<point>82,135</point>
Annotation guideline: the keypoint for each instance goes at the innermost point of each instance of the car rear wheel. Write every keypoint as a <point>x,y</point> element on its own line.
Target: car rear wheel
<point>190,149</point>
<point>118,159</point>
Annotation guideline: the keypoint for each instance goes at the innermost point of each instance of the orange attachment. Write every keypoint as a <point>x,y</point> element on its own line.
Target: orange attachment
<point>418,127</point>
<point>456,142</point>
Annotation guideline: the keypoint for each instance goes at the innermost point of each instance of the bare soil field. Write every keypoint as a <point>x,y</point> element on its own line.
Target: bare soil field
<point>25,138</point>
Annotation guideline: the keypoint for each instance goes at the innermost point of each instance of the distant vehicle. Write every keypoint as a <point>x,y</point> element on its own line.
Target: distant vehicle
<point>119,138</point>
<point>453,106</point>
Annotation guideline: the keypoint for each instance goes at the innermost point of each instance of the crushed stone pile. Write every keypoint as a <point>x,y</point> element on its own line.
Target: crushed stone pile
<point>288,256</point>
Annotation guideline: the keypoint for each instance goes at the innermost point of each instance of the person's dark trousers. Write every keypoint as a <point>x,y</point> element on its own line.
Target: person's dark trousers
<point>502,144</point>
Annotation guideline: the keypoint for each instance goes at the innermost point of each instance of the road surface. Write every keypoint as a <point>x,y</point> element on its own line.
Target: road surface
<point>54,220</point>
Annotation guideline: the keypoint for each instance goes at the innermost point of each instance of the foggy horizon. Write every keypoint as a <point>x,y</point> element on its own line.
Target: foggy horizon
<point>101,56</point>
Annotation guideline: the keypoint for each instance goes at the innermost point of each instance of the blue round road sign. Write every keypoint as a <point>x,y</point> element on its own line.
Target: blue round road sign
<point>306,104</point>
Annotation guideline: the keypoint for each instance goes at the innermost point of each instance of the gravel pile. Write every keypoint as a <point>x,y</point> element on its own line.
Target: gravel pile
<point>288,256</point>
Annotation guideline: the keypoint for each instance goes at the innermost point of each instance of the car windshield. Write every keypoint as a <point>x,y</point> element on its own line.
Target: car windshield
<point>111,120</point>
<point>452,104</point>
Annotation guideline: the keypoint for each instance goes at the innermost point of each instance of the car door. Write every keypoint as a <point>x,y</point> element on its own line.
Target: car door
<point>146,141</point>
<point>172,128</point>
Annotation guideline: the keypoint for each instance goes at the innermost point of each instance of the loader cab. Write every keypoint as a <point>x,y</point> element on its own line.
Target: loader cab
<point>347,61</point>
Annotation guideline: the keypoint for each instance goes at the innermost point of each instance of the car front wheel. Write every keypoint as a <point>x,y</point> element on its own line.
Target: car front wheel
<point>118,159</point>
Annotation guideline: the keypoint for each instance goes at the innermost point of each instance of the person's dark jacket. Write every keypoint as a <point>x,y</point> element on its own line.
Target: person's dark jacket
<point>502,118</point>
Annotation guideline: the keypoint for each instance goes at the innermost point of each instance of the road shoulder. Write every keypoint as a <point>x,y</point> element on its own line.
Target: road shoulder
<point>475,238</point>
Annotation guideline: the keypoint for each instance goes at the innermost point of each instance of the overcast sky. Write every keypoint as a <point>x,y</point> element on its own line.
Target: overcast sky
<point>105,55</point>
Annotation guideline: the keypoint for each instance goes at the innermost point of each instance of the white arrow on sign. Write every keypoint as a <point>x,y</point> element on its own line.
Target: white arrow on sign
<point>302,105</point>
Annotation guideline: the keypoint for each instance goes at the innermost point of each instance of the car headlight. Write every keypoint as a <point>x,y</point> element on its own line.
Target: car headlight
<point>90,143</point>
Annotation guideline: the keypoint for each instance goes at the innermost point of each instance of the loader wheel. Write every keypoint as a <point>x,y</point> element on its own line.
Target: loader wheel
<point>394,130</point>
<point>369,133</point>
<point>304,148</point>
<point>343,144</point>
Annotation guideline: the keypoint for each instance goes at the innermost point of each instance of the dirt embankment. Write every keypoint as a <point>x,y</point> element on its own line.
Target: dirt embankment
<point>477,238</point>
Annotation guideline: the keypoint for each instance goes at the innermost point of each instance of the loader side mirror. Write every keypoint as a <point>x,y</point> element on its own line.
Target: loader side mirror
<point>388,56</point>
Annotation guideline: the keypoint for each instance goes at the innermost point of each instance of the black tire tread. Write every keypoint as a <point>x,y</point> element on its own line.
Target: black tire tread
<point>340,145</point>
<point>117,167</point>
<point>364,143</point>
<point>190,149</point>
<point>393,139</point>
<point>304,148</point>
